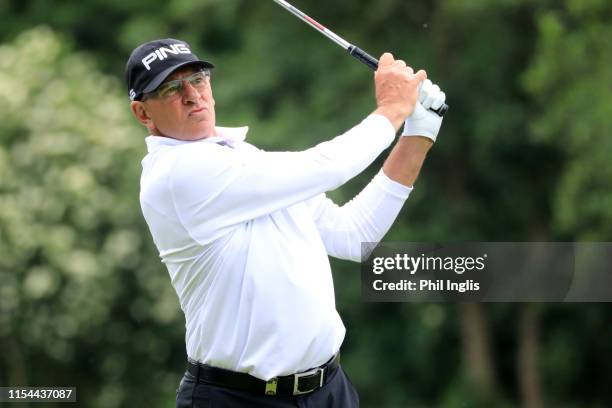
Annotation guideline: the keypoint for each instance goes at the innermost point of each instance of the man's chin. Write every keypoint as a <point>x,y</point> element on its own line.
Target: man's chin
<point>199,135</point>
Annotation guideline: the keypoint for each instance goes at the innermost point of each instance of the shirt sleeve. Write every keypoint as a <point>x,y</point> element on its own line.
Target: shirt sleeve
<point>215,188</point>
<point>366,218</point>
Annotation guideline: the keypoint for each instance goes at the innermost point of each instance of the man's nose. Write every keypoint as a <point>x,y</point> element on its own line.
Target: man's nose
<point>190,94</point>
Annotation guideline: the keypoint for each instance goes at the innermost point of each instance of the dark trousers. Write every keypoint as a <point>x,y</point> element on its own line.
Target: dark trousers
<point>337,392</point>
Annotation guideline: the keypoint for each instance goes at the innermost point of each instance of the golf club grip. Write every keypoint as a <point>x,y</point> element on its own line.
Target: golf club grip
<point>372,62</point>
<point>364,57</point>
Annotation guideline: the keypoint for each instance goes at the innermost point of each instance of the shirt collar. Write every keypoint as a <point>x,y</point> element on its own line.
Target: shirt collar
<point>231,136</point>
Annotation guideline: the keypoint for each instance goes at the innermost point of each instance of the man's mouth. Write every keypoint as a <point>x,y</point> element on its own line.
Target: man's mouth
<point>196,111</point>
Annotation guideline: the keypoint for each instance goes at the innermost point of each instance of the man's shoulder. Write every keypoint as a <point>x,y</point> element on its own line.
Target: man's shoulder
<point>194,151</point>
<point>168,160</point>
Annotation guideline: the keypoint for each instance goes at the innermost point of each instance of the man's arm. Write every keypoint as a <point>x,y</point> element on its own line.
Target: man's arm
<point>420,132</point>
<point>368,217</point>
<point>406,159</point>
<point>217,188</point>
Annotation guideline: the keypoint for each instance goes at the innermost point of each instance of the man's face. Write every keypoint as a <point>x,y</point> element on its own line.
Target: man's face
<point>186,115</point>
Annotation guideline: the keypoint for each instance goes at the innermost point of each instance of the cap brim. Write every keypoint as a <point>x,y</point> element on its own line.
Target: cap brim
<point>161,77</point>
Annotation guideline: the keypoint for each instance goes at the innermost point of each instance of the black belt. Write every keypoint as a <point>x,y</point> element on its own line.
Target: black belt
<point>294,384</point>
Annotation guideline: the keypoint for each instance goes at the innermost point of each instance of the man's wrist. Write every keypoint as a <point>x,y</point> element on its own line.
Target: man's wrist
<point>422,123</point>
<point>418,144</point>
<point>395,117</point>
<point>406,159</point>
<point>420,135</point>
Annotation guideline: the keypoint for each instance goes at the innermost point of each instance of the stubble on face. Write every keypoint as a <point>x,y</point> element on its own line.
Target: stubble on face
<point>189,116</point>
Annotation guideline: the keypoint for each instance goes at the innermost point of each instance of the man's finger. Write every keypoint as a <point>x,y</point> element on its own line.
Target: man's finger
<point>424,89</point>
<point>386,59</point>
<point>426,86</point>
<point>428,101</point>
<point>439,100</point>
<point>421,75</point>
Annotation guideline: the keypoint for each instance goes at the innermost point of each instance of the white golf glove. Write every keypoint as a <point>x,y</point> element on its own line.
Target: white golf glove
<point>424,122</point>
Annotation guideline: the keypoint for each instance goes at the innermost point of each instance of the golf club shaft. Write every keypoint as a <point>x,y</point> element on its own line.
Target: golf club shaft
<point>355,51</point>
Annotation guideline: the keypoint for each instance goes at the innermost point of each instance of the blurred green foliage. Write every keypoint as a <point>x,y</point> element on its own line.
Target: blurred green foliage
<point>81,285</point>
<point>523,155</point>
<point>570,81</point>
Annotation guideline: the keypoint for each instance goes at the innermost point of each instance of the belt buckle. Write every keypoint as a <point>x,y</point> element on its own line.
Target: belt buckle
<point>296,380</point>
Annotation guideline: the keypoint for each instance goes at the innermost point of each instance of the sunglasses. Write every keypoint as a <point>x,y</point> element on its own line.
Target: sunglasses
<point>170,89</point>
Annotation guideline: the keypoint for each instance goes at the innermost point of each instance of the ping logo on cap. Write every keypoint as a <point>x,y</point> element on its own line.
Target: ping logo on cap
<point>161,54</point>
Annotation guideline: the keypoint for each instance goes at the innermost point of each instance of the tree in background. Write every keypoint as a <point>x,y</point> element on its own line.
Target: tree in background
<point>83,299</point>
<point>523,156</point>
<point>569,78</point>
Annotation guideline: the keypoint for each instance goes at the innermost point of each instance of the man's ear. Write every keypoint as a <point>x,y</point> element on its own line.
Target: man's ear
<point>140,113</point>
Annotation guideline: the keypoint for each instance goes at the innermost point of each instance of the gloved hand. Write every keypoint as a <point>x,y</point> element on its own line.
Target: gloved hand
<point>424,122</point>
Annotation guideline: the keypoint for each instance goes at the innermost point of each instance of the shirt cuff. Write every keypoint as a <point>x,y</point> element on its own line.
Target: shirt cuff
<point>383,124</point>
<point>392,187</point>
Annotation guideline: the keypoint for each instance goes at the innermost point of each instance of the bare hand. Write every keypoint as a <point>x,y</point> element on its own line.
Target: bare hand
<point>397,89</point>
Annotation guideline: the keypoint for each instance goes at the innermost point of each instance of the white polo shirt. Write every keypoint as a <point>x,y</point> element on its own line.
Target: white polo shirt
<point>246,234</point>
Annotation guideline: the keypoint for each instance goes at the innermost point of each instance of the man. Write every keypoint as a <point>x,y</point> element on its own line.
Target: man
<point>246,234</point>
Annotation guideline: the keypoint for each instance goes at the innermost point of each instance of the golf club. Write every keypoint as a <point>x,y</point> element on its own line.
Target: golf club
<point>355,51</point>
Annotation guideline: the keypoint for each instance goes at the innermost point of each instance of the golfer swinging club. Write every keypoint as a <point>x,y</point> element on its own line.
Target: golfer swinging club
<point>246,233</point>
